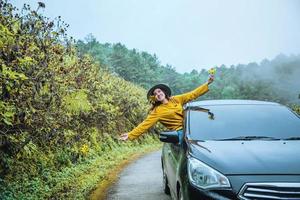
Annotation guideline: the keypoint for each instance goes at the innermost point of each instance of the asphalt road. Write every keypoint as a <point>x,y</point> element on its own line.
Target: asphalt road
<point>141,180</point>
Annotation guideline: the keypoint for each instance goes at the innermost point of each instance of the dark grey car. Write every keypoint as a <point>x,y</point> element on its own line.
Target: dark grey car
<point>234,149</point>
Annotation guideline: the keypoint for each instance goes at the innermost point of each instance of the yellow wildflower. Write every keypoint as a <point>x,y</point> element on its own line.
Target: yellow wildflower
<point>84,149</point>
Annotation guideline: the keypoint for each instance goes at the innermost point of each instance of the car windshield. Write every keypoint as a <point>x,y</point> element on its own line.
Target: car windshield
<point>243,122</point>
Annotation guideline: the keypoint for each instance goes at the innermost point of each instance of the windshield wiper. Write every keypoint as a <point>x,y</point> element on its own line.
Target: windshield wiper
<point>249,138</point>
<point>292,138</point>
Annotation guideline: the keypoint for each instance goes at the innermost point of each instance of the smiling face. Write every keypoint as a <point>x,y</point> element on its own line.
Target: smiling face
<point>159,95</point>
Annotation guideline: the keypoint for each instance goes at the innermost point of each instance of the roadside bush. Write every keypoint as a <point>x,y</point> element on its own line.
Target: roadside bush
<point>57,109</point>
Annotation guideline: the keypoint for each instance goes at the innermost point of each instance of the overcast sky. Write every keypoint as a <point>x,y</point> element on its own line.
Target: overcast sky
<point>187,34</point>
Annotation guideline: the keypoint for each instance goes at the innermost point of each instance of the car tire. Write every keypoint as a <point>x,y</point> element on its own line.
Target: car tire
<point>165,183</point>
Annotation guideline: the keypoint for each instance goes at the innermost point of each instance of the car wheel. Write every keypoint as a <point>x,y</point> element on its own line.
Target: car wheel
<point>165,183</point>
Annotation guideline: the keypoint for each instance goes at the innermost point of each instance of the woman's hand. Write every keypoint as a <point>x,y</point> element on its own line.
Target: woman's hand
<point>124,137</point>
<point>211,79</point>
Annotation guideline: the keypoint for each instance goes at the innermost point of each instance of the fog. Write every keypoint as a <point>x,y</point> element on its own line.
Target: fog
<point>283,74</point>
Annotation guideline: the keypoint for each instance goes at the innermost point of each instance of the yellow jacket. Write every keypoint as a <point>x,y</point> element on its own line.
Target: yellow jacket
<point>169,114</point>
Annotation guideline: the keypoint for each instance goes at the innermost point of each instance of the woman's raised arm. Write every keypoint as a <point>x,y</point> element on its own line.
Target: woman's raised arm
<point>189,96</point>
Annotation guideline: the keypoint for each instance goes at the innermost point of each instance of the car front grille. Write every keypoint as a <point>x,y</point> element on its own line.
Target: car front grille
<point>270,191</point>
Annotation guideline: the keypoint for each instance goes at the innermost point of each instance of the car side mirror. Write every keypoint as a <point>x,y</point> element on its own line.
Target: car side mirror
<point>169,136</point>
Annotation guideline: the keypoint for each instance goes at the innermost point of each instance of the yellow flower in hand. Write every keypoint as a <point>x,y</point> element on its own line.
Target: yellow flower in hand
<point>212,71</point>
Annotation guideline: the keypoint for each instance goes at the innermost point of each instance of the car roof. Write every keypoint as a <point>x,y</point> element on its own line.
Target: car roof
<point>230,102</point>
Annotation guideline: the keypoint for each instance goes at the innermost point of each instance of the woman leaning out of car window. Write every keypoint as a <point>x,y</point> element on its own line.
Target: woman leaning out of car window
<point>166,109</point>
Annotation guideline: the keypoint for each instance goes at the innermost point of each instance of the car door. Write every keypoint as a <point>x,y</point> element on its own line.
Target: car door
<point>172,160</point>
<point>167,161</point>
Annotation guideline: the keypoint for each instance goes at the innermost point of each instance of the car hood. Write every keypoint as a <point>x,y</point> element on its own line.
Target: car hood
<point>249,157</point>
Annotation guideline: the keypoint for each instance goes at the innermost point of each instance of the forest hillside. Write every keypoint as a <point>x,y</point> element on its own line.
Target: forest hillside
<point>274,80</point>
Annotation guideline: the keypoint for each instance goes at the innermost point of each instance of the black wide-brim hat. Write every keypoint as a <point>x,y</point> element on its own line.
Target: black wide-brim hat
<point>163,87</point>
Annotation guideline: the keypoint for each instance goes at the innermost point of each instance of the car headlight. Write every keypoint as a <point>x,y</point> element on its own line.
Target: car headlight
<point>203,176</point>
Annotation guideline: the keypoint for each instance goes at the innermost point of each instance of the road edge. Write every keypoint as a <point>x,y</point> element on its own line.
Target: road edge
<point>100,191</point>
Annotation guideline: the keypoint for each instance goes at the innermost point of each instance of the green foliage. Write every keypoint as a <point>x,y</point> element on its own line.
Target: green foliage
<point>58,109</point>
<point>275,80</point>
<point>77,102</point>
<point>296,108</point>
<point>7,113</point>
